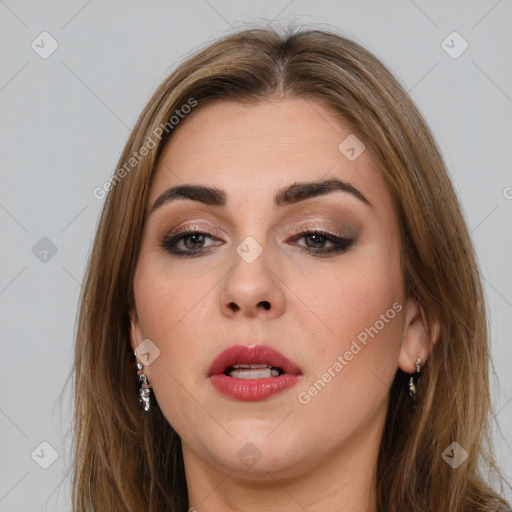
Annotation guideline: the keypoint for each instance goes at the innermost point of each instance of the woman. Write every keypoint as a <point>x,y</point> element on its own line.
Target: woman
<point>282,308</point>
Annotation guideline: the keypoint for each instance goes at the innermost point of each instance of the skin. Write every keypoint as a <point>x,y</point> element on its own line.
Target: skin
<point>316,455</point>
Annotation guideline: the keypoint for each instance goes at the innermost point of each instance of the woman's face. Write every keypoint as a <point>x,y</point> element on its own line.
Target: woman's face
<point>331,301</point>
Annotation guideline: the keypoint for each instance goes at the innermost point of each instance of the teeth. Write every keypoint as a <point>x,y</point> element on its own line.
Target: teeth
<point>262,372</point>
<point>252,371</point>
<point>246,365</point>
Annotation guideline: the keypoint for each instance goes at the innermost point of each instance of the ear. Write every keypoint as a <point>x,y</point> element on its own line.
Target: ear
<point>135,335</point>
<point>417,342</point>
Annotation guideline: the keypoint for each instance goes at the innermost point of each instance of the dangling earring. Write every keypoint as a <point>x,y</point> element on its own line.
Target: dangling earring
<point>144,389</point>
<point>414,378</point>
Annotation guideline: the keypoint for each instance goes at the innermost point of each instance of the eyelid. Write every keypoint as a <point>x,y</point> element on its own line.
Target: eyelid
<point>317,226</point>
<point>211,230</point>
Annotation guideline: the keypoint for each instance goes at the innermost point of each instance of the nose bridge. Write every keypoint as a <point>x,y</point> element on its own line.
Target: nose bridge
<point>250,264</point>
<point>252,229</point>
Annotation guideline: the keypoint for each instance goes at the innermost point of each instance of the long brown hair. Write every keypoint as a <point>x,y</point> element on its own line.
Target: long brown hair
<point>125,459</point>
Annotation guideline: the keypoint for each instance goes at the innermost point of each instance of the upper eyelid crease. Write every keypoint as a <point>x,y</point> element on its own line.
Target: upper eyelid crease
<point>290,194</point>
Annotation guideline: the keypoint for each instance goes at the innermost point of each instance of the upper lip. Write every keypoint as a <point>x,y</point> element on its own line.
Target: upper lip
<point>252,354</point>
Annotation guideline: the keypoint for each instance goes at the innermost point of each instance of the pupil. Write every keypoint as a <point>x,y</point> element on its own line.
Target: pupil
<point>193,243</point>
<point>319,240</point>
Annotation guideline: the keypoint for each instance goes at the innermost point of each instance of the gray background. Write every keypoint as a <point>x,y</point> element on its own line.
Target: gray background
<point>65,119</point>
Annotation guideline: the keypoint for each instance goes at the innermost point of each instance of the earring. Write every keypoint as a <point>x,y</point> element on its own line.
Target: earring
<point>144,389</point>
<point>414,378</point>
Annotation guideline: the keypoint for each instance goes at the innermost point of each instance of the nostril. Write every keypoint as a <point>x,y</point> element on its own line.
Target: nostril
<point>264,303</point>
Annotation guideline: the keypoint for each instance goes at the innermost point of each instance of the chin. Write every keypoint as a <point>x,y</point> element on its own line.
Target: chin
<point>254,456</point>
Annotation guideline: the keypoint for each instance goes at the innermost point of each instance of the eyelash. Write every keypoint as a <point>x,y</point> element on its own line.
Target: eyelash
<point>341,244</point>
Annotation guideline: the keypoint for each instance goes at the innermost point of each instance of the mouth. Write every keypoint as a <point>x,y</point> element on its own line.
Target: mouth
<point>252,362</point>
<point>252,373</point>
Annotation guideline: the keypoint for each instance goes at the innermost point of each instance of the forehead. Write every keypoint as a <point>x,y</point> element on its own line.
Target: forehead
<point>259,148</point>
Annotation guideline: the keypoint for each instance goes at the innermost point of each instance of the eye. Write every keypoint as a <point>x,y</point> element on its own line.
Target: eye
<point>316,241</point>
<point>191,239</point>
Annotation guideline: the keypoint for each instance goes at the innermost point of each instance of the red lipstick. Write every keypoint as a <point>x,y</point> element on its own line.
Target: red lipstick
<point>252,373</point>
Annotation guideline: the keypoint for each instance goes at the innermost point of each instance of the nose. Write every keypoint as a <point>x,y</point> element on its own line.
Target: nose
<point>252,289</point>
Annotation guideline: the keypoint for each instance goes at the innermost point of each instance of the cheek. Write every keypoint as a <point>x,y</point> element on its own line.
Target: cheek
<point>350,298</point>
<point>167,300</point>
<point>362,318</point>
<point>163,306</point>
<point>175,314</point>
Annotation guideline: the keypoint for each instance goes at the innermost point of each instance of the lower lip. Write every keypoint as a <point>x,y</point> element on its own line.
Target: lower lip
<point>252,390</point>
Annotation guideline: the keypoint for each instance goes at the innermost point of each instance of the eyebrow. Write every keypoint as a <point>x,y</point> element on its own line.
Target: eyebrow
<point>290,194</point>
